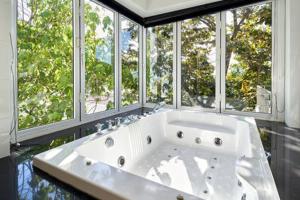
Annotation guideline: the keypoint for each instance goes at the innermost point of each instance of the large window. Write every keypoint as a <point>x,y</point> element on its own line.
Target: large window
<point>130,62</point>
<point>45,62</point>
<point>198,61</point>
<point>248,64</point>
<point>223,62</point>
<point>159,72</point>
<point>99,58</point>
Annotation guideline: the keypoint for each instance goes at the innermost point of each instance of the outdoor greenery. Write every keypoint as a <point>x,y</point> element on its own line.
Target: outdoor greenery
<point>45,60</point>
<point>130,62</point>
<point>99,58</point>
<point>198,61</point>
<point>249,57</point>
<point>159,64</point>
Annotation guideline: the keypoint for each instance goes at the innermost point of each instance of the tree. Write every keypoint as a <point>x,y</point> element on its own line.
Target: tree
<point>248,55</point>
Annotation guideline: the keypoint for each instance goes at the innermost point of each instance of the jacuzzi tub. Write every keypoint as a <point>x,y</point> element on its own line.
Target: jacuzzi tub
<point>168,155</point>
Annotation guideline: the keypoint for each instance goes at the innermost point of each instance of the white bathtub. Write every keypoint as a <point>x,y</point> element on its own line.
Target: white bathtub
<point>217,157</point>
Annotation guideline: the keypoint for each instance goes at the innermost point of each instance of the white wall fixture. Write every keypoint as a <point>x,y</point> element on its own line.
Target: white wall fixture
<point>5,77</point>
<point>292,73</point>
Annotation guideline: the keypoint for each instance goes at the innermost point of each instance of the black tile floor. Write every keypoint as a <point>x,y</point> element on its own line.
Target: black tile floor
<point>19,180</point>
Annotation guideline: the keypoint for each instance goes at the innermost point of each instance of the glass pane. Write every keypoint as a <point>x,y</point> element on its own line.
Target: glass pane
<point>45,62</point>
<point>249,58</point>
<point>130,62</point>
<point>198,61</point>
<point>159,78</point>
<point>99,58</point>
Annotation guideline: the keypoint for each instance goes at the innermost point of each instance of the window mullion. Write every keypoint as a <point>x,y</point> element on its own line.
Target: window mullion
<point>178,66</point>
<point>223,58</point>
<point>117,67</point>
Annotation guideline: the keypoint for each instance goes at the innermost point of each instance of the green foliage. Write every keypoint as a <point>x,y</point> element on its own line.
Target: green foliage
<point>45,68</point>
<point>159,69</point>
<point>99,57</point>
<point>130,62</point>
<point>198,42</point>
<point>249,44</point>
<point>45,60</point>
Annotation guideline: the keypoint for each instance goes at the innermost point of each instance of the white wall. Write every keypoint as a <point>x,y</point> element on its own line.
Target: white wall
<point>292,73</point>
<point>5,80</point>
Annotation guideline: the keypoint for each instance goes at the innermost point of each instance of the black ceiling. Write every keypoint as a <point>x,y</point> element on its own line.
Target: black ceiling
<point>179,14</point>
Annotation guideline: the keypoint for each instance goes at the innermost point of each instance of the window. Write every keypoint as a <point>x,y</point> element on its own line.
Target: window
<point>45,62</point>
<point>129,61</point>
<point>248,64</point>
<point>198,61</point>
<point>99,58</point>
<point>159,78</point>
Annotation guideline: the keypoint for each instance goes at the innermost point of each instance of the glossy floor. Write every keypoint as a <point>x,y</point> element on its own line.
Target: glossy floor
<point>19,180</point>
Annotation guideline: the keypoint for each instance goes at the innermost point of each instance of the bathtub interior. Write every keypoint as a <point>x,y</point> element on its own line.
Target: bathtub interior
<point>193,163</point>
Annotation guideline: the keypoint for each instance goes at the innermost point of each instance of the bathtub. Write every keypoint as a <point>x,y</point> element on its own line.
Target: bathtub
<point>171,154</point>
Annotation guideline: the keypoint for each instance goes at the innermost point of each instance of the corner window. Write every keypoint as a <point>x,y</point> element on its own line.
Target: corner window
<point>248,61</point>
<point>45,62</point>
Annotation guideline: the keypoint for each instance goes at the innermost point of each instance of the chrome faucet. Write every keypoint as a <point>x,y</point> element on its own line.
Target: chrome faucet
<point>118,121</point>
<point>110,124</point>
<point>158,106</point>
<point>99,127</point>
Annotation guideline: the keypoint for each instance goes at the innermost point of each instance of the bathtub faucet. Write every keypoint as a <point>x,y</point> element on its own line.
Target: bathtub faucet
<point>110,124</point>
<point>158,106</point>
<point>99,127</point>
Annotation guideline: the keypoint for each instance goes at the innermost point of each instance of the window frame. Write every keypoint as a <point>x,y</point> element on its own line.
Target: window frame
<point>274,111</point>
<point>85,117</point>
<point>140,67</point>
<point>218,69</point>
<point>174,69</point>
<point>80,117</point>
<point>56,126</point>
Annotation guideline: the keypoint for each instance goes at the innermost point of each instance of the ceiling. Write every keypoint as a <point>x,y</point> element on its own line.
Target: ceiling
<point>147,8</point>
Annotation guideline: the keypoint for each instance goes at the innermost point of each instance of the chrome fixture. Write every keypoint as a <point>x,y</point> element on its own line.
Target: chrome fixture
<point>121,161</point>
<point>99,127</point>
<point>158,106</point>
<point>218,141</point>
<point>130,119</point>
<point>180,134</point>
<point>110,124</point>
<point>118,121</point>
<point>109,142</point>
<point>197,140</point>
